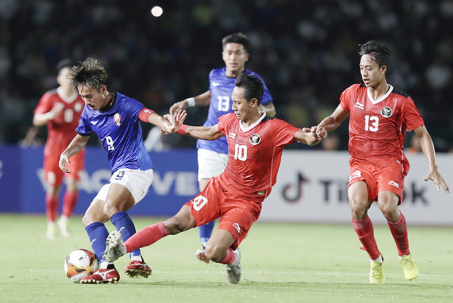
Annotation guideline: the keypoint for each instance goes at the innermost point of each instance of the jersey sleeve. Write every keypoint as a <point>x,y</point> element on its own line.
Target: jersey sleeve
<point>284,132</point>
<point>84,128</point>
<point>134,108</point>
<point>411,115</point>
<point>224,121</point>
<point>347,96</point>
<point>44,105</point>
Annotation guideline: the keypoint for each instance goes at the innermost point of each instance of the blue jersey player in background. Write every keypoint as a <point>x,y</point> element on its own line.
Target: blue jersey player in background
<point>115,118</point>
<point>213,155</point>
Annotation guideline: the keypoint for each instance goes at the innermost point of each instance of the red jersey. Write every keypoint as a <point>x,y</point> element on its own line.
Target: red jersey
<point>61,129</point>
<point>254,154</point>
<point>377,127</point>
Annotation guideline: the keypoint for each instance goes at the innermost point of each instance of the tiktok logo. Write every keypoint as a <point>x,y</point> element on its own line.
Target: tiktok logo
<point>295,190</point>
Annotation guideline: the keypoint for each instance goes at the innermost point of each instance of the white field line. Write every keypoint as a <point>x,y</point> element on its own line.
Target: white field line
<point>248,272</point>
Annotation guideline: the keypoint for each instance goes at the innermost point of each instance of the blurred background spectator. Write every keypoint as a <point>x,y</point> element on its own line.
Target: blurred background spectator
<point>306,51</point>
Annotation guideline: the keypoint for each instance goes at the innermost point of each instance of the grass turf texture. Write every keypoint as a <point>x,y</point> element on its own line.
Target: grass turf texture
<point>280,263</point>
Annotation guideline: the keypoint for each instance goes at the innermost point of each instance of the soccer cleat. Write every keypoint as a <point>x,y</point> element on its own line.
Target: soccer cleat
<point>63,226</point>
<point>108,275</point>
<point>138,268</point>
<point>201,255</point>
<point>114,247</point>
<point>377,275</point>
<point>409,267</point>
<point>233,270</point>
<point>51,232</point>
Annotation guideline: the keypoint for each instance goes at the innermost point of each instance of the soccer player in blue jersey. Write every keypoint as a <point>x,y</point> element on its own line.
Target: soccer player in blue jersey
<point>115,118</point>
<point>213,155</point>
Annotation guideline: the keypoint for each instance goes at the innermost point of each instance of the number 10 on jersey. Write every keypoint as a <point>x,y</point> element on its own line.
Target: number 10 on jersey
<point>240,152</point>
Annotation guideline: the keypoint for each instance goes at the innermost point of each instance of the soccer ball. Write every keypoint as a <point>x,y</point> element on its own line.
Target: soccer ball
<point>79,264</point>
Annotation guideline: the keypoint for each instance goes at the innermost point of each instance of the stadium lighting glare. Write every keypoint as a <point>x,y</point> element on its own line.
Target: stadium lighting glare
<point>157,11</point>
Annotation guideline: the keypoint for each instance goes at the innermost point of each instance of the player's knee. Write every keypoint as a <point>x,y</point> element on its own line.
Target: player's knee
<point>214,253</point>
<point>110,209</point>
<point>358,208</point>
<point>389,211</point>
<point>176,224</point>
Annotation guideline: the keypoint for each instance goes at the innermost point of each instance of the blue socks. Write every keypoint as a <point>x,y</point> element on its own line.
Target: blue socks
<point>125,226</point>
<point>97,234</point>
<point>206,232</point>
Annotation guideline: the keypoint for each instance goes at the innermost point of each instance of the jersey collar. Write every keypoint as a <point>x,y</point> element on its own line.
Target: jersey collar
<point>246,129</point>
<point>380,98</point>
<point>65,98</point>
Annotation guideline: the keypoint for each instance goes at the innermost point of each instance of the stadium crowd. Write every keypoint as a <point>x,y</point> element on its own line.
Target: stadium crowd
<point>306,51</point>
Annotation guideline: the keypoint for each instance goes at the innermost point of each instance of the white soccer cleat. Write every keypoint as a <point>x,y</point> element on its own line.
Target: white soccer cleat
<point>233,270</point>
<point>63,226</point>
<point>51,232</point>
<point>114,247</point>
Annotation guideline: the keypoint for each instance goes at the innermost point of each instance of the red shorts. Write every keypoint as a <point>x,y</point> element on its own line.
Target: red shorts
<point>236,214</point>
<point>386,176</point>
<point>53,173</point>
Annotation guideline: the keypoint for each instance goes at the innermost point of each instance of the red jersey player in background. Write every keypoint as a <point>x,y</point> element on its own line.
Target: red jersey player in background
<point>60,109</point>
<point>255,146</point>
<point>379,117</point>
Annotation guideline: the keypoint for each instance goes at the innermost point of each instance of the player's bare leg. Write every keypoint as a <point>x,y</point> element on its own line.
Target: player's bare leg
<point>204,230</point>
<point>388,204</point>
<point>359,203</point>
<point>218,250</point>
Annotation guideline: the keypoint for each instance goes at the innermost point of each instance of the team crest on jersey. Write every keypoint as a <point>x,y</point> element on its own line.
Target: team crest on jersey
<point>255,139</point>
<point>117,119</point>
<point>386,112</point>
<point>78,106</point>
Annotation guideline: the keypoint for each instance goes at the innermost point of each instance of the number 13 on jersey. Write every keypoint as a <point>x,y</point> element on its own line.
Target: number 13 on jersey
<point>371,123</point>
<point>224,104</point>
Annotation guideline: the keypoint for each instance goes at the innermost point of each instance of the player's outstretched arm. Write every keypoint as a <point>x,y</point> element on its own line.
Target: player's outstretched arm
<point>76,145</point>
<point>310,136</point>
<point>168,123</point>
<point>333,121</point>
<point>201,132</point>
<point>427,146</point>
<point>201,100</point>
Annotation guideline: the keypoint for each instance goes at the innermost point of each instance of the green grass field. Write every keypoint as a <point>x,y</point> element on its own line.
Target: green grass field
<point>280,263</point>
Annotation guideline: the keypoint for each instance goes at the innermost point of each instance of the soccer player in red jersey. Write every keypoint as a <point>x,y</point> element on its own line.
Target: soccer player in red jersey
<point>60,109</point>
<point>255,146</point>
<point>379,117</point>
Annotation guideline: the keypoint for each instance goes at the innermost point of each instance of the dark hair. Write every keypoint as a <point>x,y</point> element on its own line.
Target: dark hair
<point>253,86</point>
<point>378,51</point>
<point>64,63</point>
<point>239,38</point>
<point>89,72</point>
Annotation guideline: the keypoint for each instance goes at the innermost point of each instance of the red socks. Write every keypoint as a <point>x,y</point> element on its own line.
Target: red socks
<point>229,257</point>
<point>69,202</point>
<point>51,207</point>
<point>399,233</point>
<point>364,229</point>
<point>146,236</point>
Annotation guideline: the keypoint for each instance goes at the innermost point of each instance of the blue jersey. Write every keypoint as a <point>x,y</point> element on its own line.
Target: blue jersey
<point>221,88</point>
<point>120,132</point>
